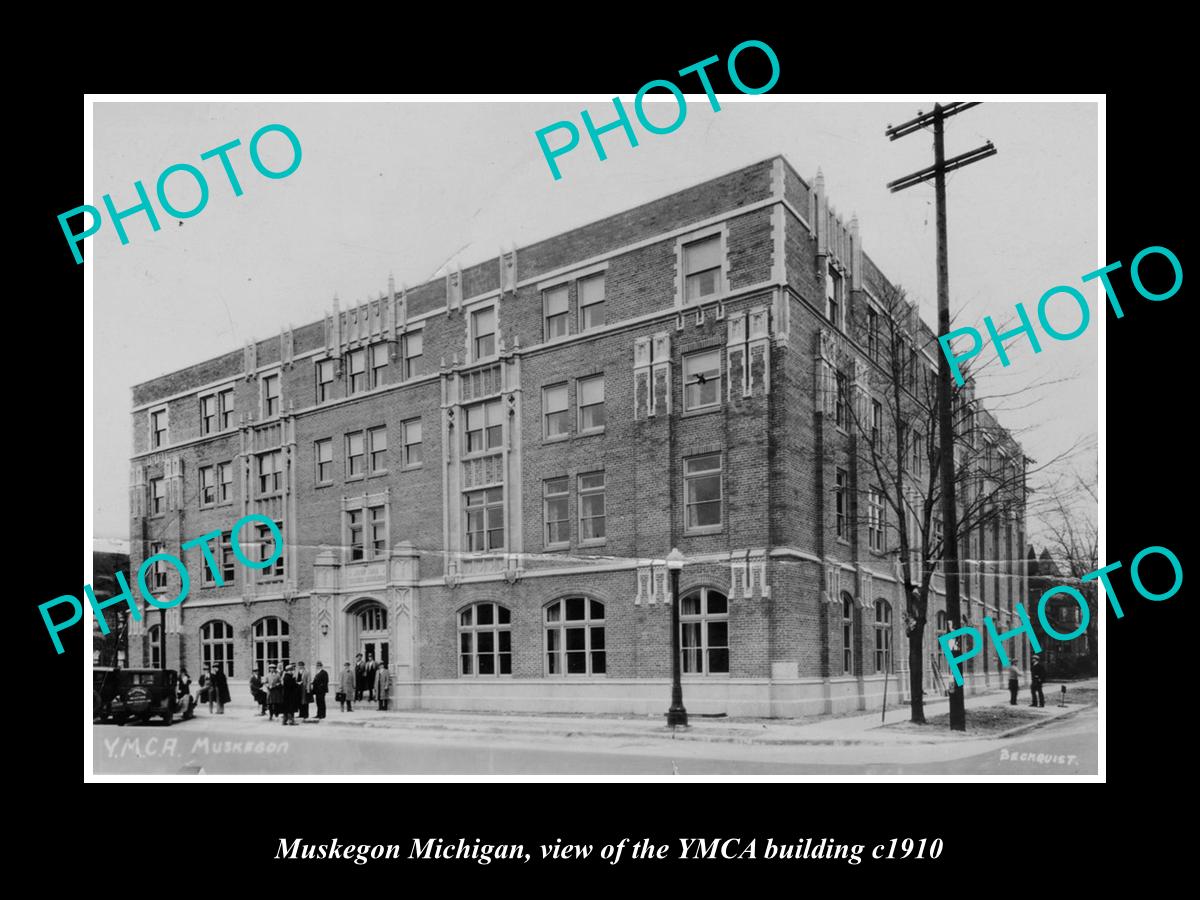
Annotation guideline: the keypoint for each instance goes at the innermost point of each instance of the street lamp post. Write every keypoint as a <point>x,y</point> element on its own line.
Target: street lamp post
<point>676,715</point>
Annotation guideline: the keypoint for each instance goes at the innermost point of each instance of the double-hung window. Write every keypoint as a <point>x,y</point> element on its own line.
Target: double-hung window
<point>875,520</point>
<point>270,395</point>
<point>413,346</point>
<point>591,302</point>
<point>590,395</point>
<point>702,268</point>
<point>702,490</point>
<point>411,438</point>
<point>324,456</point>
<point>379,362</point>
<point>485,519</point>
<point>158,428</point>
<point>702,380</point>
<point>555,413</point>
<point>557,312</point>
<point>227,402</point>
<point>270,472</point>
<point>484,427</point>
<point>555,495</point>
<point>224,482</point>
<point>358,371</point>
<point>208,414</point>
<point>591,507</point>
<point>483,332</point>
<point>324,380</point>
<point>208,486</point>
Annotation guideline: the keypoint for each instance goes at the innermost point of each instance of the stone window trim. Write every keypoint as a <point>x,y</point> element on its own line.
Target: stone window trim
<point>723,290</point>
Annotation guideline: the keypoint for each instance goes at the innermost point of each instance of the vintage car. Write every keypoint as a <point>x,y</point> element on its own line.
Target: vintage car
<point>121,694</point>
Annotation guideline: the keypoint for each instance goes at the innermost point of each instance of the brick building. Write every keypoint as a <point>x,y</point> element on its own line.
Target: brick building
<point>1077,656</point>
<point>477,479</point>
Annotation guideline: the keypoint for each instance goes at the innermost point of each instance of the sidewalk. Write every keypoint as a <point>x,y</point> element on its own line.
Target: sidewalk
<point>863,729</point>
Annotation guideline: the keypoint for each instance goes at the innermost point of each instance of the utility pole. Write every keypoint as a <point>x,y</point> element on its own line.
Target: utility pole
<point>937,172</point>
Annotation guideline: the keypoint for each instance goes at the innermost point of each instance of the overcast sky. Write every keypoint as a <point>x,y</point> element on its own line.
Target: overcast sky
<point>409,187</point>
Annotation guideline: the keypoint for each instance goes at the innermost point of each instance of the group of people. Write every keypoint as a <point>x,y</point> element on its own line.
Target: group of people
<point>286,691</point>
<point>214,687</point>
<point>367,677</point>
<point>1037,676</point>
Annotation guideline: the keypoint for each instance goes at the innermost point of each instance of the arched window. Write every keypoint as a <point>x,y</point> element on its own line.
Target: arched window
<point>883,636</point>
<point>704,632</point>
<point>485,640</point>
<point>575,637</point>
<point>847,634</point>
<point>373,618</point>
<point>155,636</point>
<point>216,645</point>
<point>271,643</point>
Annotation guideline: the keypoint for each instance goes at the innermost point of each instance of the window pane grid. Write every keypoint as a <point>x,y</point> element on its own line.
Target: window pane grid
<point>485,640</point>
<point>575,640</point>
<point>704,633</point>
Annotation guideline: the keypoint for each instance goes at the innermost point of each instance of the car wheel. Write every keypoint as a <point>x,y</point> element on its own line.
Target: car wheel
<point>144,718</point>
<point>168,718</point>
<point>120,720</point>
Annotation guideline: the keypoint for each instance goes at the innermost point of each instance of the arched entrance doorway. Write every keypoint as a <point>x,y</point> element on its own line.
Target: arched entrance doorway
<point>368,631</point>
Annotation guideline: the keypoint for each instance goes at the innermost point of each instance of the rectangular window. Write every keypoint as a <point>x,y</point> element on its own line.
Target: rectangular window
<point>839,502</point>
<point>379,531</point>
<point>270,472</point>
<point>702,489</point>
<point>270,388</point>
<point>413,347</point>
<point>833,296</point>
<point>208,414</point>
<point>557,311</point>
<point>158,428</point>
<point>591,507</point>
<point>591,302</point>
<point>227,559</point>
<point>702,380</point>
<point>228,405</point>
<point>267,543</point>
<point>208,486</point>
<point>411,436</point>
<point>485,519</point>
<point>358,371</point>
<point>873,335</point>
<point>590,395</point>
<point>324,380</point>
<point>875,519</point>
<point>355,455</point>
<point>324,454</point>
<point>485,427</point>
<point>702,268</point>
<point>158,572</point>
<point>158,496</point>
<point>917,441</point>
<point>377,439</point>
<point>839,415</point>
<point>555,493</point>
<point>483,332</point>
<point>354,522</point>
<point>379,362</point>
<point>224,482</point>
<point>876,422</point>
<point>554,410</point>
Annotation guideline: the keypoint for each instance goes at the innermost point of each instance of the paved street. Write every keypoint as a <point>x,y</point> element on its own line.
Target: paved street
<point>461,745</point>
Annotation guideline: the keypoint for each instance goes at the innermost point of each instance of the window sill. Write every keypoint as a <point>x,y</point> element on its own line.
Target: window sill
<point>323,484</point>
<point>497,675</point>
<point>594,542</point>
<point>350,478</point>
<point>557,438</point>
<point>844,541</point>
<point>590,432</point>
<point>481,454</point>
<point>557,548</point>
<point>378,473</point>
<point>413,468</point>
<point>707,529</point>
<point>700,411</point>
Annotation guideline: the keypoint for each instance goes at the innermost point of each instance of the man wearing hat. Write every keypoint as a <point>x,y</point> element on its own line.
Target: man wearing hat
<point>1036,675</point>
<point>320,687</point>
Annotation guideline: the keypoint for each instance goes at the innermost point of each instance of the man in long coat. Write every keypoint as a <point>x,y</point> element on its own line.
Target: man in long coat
<point>369,677</point>
<point>274,691</point>
<point>383,685</point>
<point>320,687</point>
<point>291,695</point>
<point>360,676</point>
<point>305,682</point>
<point>349,688</point>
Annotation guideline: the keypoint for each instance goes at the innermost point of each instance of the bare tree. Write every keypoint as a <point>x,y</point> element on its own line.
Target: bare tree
<point>891,407</point>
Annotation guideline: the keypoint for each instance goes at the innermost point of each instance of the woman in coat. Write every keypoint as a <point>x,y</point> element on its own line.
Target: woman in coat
<point>383,685</point>
<point>274,691</point>
<point>218,690</point>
